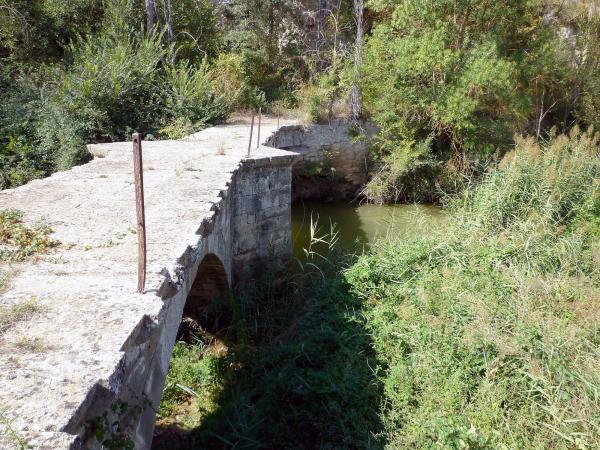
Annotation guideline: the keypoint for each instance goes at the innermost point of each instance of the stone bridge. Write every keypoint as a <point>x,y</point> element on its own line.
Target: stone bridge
<point>100,351</point>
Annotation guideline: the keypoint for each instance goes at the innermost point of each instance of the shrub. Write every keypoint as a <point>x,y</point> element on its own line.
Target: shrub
<point>229,80</point>
<point>452,76</point>
<point>327,97</point>
<point>189,95</point>
<point>112,89</point>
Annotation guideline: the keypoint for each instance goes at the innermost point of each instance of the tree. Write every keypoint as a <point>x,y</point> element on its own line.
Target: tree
<point>150,10</point>
<point>449,83</point>
<point>356,95</point>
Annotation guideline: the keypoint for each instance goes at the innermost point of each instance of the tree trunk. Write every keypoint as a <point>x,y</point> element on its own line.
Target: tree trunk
<point>169,19</point>
<point>356,94</point>
<point>321,15</point>
<point>150,9</point>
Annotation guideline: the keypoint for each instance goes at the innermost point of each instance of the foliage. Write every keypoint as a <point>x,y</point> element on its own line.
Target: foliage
<point>587,39</point>
<point>117,80</point>
<point>228,77</point>
<point>112,88</point>
<point>197,34</point>
<point>326,96</point>
<point>38,30</point>
<point>267,35</point>
<point>486,331</point>
<point>450,82</point>
<point>19,241</point>
<point>190,95</point>
<point>300,378</point>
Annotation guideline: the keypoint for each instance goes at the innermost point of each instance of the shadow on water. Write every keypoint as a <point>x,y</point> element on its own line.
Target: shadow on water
<point>298,372</point>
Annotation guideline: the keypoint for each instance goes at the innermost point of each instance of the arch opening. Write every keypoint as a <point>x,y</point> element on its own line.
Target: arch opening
<point>207,312</point>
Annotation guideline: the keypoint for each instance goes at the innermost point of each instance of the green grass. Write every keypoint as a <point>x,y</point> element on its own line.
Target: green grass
<point>19,241</point>
<point>482,334</point>
<point>296,375</point>
<point>487,332</point>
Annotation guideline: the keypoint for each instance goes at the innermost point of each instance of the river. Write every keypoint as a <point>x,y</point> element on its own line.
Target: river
<point>359,226</point>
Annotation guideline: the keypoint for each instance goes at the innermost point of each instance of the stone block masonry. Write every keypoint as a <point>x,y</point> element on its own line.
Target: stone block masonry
<point>261,218</point>
<point>104,350</point>
<point>333,162</point>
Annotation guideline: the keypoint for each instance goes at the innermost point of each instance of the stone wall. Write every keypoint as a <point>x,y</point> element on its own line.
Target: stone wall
<point>251,229</point>
<point>333,162</point>
<point>261,218</point>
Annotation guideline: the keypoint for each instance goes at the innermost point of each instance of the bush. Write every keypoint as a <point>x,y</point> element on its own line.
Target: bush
<point>327,97</point>
<point>487,330</point>
<point>451,76</point>
<point>189,95</point>
<point>229,80</point>
<point>112,89</point>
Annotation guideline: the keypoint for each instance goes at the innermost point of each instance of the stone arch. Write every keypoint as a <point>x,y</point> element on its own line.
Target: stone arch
<point>208,302</point>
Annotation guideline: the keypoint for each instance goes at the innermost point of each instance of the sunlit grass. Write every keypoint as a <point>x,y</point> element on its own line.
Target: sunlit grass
<point>487,331</point>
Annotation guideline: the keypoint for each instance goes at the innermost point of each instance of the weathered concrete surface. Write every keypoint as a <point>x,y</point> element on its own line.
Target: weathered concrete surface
<point>333,161</point>
<point>102,345</point>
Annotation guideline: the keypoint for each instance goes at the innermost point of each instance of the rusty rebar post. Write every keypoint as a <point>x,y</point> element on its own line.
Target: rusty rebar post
<point>140,211</point>
<point>251,131</point>
<point>259,122</point>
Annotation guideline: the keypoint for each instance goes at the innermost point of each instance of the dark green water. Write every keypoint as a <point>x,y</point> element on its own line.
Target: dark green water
<point>359,226</point>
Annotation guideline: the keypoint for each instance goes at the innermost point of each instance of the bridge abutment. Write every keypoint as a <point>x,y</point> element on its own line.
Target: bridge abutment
<point>261,218</point>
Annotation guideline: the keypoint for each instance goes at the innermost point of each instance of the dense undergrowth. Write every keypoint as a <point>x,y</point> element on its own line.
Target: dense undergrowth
<point>293,372</point>
<point>483,334</point>
<point>487,332</point>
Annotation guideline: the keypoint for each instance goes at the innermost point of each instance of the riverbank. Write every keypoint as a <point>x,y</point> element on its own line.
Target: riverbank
<point>487,334</point>
<point>483,334</point>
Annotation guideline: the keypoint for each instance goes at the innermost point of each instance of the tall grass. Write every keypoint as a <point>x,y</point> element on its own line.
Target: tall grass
<point>487,331</point>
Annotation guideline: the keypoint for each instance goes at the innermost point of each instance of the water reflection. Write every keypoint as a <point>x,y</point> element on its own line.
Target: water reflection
<point>359,226</point>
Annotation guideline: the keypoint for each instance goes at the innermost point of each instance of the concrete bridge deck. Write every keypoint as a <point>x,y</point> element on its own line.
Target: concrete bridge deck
<point>90,322</point>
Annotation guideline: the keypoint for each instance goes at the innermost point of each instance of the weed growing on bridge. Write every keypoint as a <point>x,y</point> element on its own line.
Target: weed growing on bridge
<point>31,345</point>
<point>18,312</point>
<point>19,241</point>
<point>8,434</point>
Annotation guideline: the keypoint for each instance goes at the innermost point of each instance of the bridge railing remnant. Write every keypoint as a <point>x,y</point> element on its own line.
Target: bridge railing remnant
<point>140,210</point>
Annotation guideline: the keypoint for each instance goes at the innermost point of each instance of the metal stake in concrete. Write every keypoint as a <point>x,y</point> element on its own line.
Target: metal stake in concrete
<point>251,130</point>
<point>278,121</point>
<point>139,207</point>
<point>259,121</point>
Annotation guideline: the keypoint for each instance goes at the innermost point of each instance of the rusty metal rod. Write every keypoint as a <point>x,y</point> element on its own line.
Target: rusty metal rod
<point>259,122</point>
<point>251,130</point>
<point>140,210</point>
